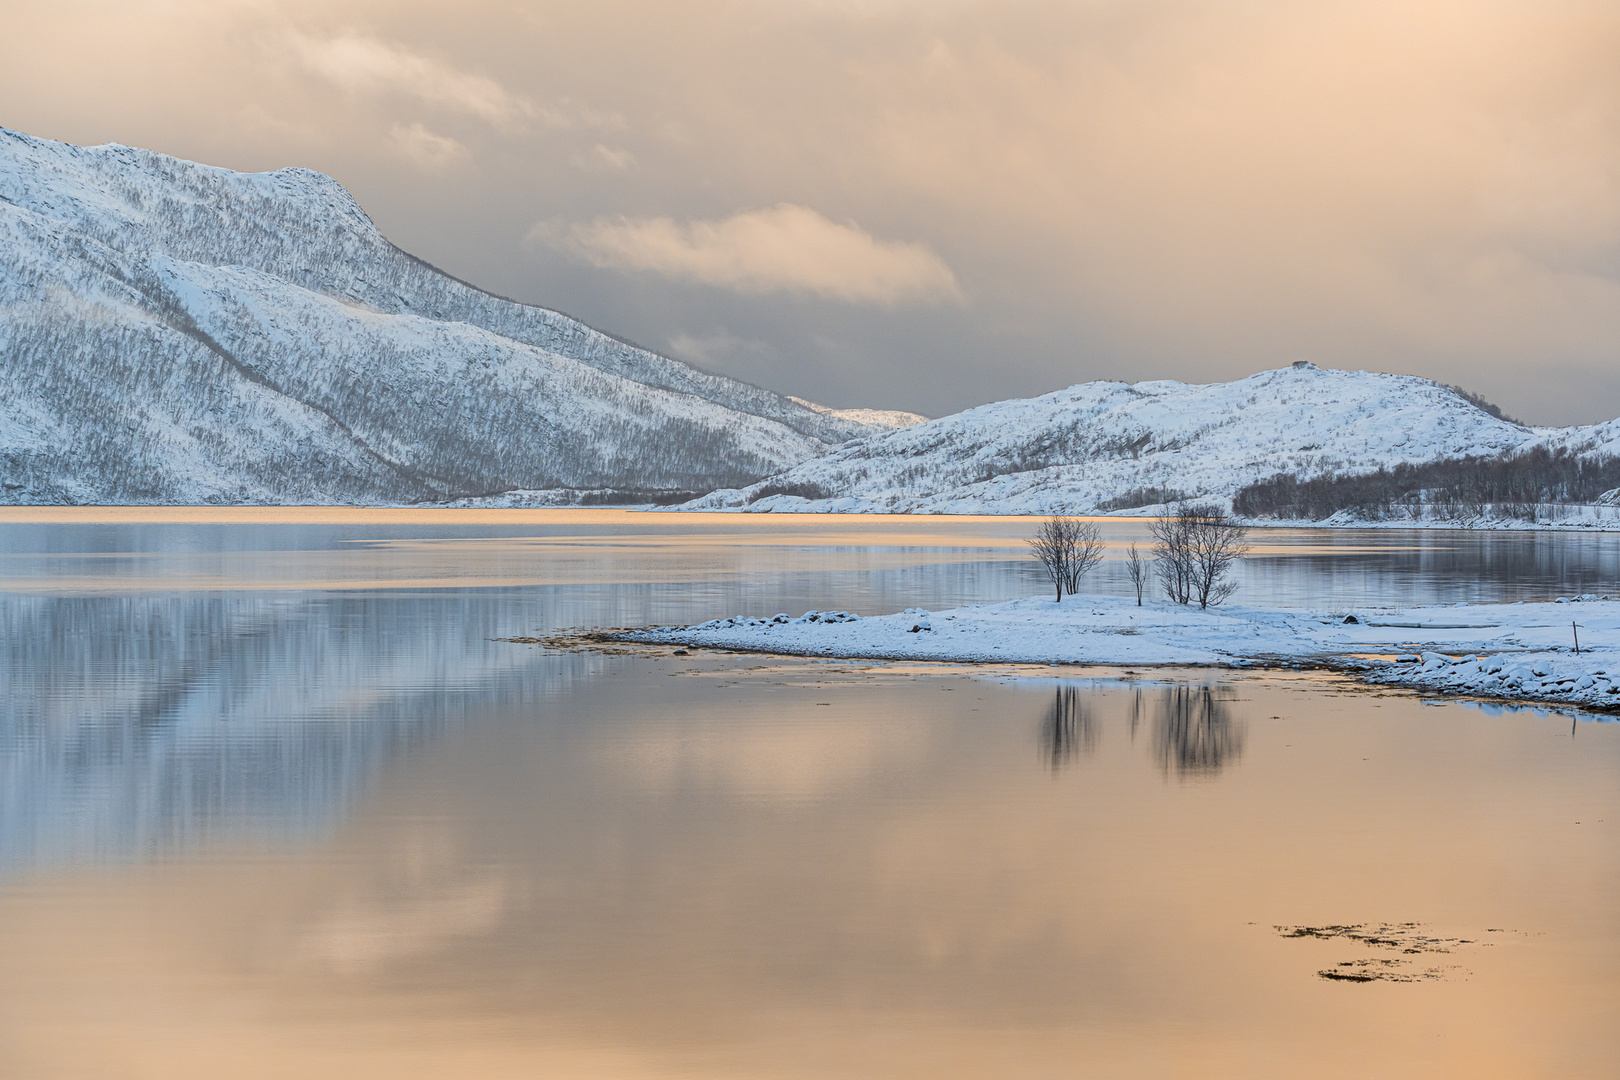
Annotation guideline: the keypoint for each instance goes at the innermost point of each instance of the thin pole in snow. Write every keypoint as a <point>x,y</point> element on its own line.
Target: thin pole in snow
<point>1575,629</point>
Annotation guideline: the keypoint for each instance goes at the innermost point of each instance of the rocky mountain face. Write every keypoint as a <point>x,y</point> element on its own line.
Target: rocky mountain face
<point>175,333</point>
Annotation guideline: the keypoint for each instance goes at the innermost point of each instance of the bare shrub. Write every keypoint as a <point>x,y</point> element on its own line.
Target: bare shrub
<point>1146,496</point>
<point>1067,547</point>
<point>1195,548</point>
<point>1136,568</point>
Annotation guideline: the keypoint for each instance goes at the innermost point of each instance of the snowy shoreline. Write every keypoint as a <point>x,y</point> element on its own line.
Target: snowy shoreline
<point>1511,652</point>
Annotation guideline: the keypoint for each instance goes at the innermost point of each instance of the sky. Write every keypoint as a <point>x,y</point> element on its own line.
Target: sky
<point>931,205</point>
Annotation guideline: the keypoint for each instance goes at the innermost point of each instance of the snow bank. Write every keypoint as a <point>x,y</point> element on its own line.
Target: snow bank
<point>1518,651</point>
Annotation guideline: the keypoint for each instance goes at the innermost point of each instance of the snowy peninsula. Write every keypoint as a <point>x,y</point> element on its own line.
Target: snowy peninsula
<point>1514,651</point>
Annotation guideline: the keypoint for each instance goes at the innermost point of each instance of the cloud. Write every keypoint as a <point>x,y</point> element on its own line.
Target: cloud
<point>368,65</point>
<point>427,149</point>
<point>719,350</point>
<point>785,248</point>
<point>599,157</point>
<point>1128,190</point>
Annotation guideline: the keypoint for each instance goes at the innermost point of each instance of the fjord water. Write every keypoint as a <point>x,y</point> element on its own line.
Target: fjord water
<point>276,803</point>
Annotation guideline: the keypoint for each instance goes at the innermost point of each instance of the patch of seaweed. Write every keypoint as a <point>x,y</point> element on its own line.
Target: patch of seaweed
<point>1409,939</point>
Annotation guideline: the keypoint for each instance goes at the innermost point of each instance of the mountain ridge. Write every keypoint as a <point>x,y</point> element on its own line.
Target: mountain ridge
<point>180,333</point>
<point>1113,446</point>
<point>177,332</point>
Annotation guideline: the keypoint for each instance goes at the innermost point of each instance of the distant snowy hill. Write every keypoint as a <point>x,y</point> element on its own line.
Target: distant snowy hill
<point>883,418</point>
<point>1111,446</point>
<point>174,333</point>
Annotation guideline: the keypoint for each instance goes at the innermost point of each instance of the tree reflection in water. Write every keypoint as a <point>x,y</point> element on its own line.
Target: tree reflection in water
<point>1194,730</point>
<point>1069,728</point>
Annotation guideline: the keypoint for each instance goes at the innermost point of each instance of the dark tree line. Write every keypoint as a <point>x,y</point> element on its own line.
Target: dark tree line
<point>1478,401</point>
<point>1529,486</point>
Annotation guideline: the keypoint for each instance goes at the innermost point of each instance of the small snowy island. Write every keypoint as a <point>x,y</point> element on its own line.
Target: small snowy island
<point>1520,651</point>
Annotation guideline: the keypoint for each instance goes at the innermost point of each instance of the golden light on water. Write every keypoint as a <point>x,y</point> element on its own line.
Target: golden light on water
<point>894,885</point>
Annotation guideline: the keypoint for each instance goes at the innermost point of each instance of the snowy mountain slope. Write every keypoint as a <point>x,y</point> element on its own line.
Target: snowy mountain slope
<point>1596,440</point>
<point>1109,445</point>
<point>882,418</point>
<point>171,332</point>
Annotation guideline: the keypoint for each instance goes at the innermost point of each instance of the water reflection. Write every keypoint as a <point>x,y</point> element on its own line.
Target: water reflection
<point>1402,566</point>
<point>142,712</point>
<point>1069,729</point>
<point>701,566</point>
<point>646,866</point>
<point>496,862</point>
<point>140,725</point>
<point>1194,731</point>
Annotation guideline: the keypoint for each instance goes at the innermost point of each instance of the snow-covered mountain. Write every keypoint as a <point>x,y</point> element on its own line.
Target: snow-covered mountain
<point>881,418</point>
<point>1111,446</point>
<point>175,333</point>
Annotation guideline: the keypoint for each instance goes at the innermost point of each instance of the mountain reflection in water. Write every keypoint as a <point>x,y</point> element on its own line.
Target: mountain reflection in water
<point>139,725</point>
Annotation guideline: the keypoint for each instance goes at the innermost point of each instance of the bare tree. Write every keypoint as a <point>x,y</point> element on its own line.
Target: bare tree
<point>1217,544</point>
<point>1067,548</point>
<point>1136,568</point>
<point>1195,548</point>
<point>1050,546</point>
<point>1086,552</point>
<point>1171,553</point>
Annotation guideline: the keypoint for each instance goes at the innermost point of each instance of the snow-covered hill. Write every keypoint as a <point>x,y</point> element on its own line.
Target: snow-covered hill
<point>1111,446</point>
<point>882,418</point>
<point>175,333</point>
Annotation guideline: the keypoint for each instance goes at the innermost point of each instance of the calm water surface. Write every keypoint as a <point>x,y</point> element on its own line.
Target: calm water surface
<point>272,803</point>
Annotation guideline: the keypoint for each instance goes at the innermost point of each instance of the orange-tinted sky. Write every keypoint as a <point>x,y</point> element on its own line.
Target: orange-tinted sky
<point>928,205</point>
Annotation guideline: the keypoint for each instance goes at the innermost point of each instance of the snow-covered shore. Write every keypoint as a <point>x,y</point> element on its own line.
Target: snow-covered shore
<point>1513,651</point>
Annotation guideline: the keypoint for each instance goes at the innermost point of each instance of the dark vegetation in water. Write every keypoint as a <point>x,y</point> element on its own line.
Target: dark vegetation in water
<point>1408,939</point>
<point>1534,486</point>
